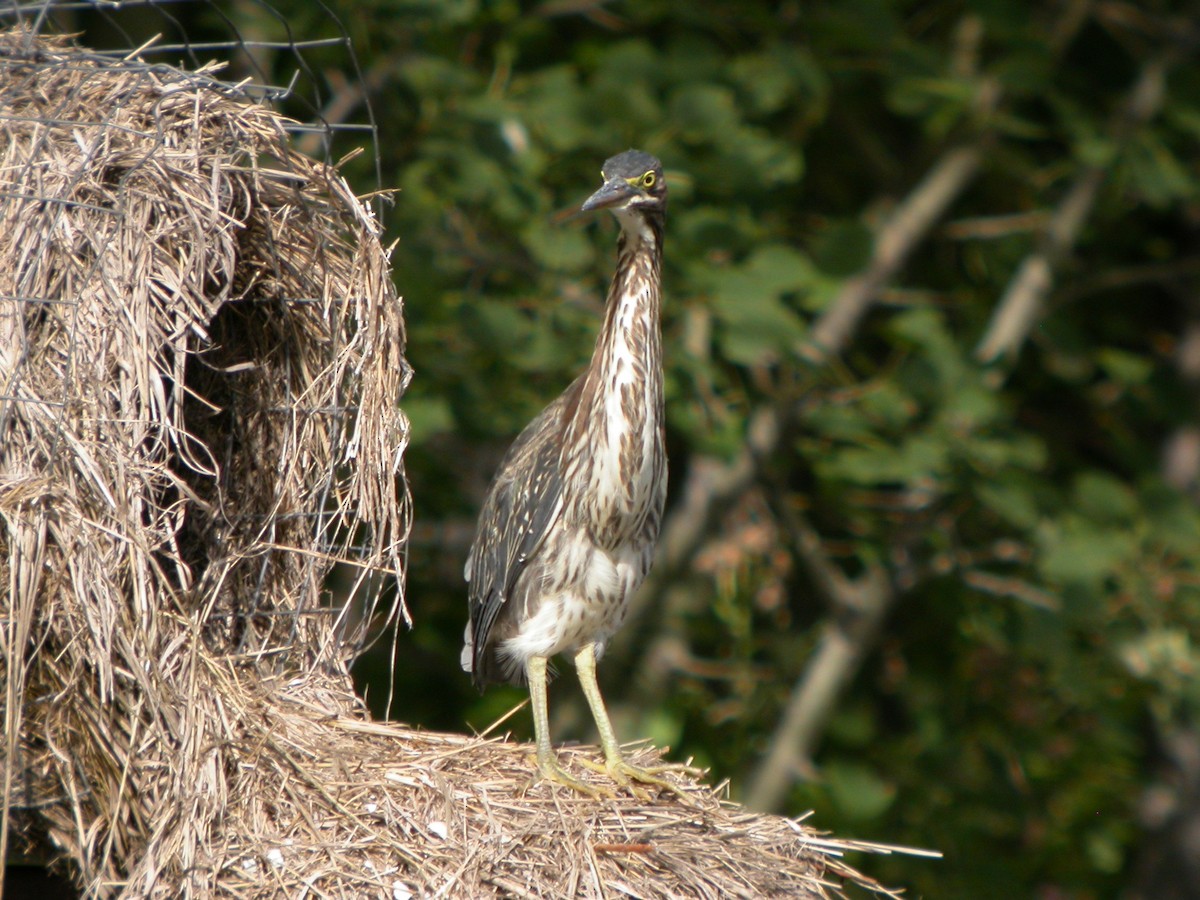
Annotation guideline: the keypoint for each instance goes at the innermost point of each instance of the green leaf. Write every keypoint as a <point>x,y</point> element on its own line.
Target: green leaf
<point>754,325</point>
<point>427,416</point>
<point>1009,453</point>
<point>843,247</point>
<point>500,323</point>
<point>1156,174</point>
<point>1100,496</point>
<point>858,791</point>
<point>1127,368</point>
<point>854,726</point>
<point>763,81</point>
<point>888,405</point>
<point>925,328</point>
<point>555,108</point>
<point>918,459</point>
<point>705,112</point>
<point>1012,500</point>
<point>558,248</point>
<point>1084,555</point>
<point>1105,850</point>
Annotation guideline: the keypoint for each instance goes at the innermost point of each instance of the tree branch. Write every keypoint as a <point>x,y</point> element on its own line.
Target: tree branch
<point>904,230</point>
<point>861,606</point>
<point>857,609</point>
<point>1019,308</point>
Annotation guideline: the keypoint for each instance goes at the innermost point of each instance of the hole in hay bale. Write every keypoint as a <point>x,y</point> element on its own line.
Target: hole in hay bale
<point>244,406</point>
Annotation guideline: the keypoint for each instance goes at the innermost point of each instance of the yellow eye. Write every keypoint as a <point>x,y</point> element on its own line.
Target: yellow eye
<point>648,179</point>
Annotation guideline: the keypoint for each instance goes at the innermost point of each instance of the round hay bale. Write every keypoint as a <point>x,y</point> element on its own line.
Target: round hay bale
<point>201,355</point>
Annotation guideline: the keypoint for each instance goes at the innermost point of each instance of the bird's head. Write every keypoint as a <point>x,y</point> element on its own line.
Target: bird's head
<point>633,180</point>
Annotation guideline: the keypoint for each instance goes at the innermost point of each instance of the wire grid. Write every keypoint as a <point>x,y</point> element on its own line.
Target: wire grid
<point>276,67</point>
<point>279,71</point>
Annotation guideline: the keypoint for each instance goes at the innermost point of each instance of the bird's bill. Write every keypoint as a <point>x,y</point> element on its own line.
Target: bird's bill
<point>613,192</point>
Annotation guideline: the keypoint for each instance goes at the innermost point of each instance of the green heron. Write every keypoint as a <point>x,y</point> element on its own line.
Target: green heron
<point>567,532</point>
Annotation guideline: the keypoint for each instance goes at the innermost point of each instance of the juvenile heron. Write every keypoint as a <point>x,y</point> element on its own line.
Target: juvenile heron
<point>567,532</point>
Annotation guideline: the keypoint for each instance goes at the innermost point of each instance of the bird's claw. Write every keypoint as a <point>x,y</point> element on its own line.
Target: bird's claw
<point>630,776</point>
<point>550,770</point>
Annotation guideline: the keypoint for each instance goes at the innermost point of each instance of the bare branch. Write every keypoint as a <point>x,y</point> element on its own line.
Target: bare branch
<point>857,608</point>
<point>1022,302</point>
<point>860,606</point>
<point>347,95</point>
<point>906,228</point>
<point>845,639</point>
<point>908,225</point>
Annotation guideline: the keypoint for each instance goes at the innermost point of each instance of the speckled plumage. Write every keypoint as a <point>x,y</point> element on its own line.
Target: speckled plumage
<point>568,529</point>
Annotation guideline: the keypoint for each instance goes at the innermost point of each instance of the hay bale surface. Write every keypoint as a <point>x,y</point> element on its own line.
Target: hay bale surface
<point>409,814</point>
<point>201,355</point>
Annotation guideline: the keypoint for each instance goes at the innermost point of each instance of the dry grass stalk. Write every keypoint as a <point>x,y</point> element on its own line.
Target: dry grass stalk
<point>200,358</point>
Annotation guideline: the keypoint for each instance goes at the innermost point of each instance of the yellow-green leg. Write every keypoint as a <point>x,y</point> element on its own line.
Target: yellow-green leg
<point>535,671</point>
<point>618,769</point>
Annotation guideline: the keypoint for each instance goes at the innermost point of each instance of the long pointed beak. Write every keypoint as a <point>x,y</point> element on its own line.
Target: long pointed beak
<point>610,194</point>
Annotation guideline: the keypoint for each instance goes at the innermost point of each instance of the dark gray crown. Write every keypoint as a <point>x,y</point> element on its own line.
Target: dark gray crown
<point>630,164</point>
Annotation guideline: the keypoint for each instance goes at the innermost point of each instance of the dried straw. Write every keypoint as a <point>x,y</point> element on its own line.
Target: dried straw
<point>405,813</point>
<point>201,355</point>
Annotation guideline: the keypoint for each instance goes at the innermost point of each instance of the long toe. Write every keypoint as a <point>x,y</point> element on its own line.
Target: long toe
<point>550,770</point>
<point>630,776</point>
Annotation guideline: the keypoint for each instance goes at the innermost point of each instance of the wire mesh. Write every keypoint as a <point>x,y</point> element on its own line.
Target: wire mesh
<point>316,81</point>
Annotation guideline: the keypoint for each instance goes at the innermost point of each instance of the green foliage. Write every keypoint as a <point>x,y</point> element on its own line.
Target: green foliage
<point>1046,574</point>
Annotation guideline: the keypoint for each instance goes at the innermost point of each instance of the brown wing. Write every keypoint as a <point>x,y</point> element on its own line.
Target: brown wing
<point>522,505</point>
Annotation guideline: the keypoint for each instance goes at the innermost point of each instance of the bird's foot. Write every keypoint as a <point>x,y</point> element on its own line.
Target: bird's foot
<point>630,776</point>
<point>551,770</point>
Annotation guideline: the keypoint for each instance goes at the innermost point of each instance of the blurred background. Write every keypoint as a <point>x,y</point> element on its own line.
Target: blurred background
<point>931,566</point>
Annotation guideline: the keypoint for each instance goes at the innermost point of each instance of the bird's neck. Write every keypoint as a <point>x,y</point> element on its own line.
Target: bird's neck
<point>621,393</point>
<point>629,347</point>
<point>618,416</point>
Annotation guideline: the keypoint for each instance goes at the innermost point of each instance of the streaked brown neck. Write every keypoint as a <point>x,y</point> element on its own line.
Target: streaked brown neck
<point>620,400</point>
<point>628,354</point>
